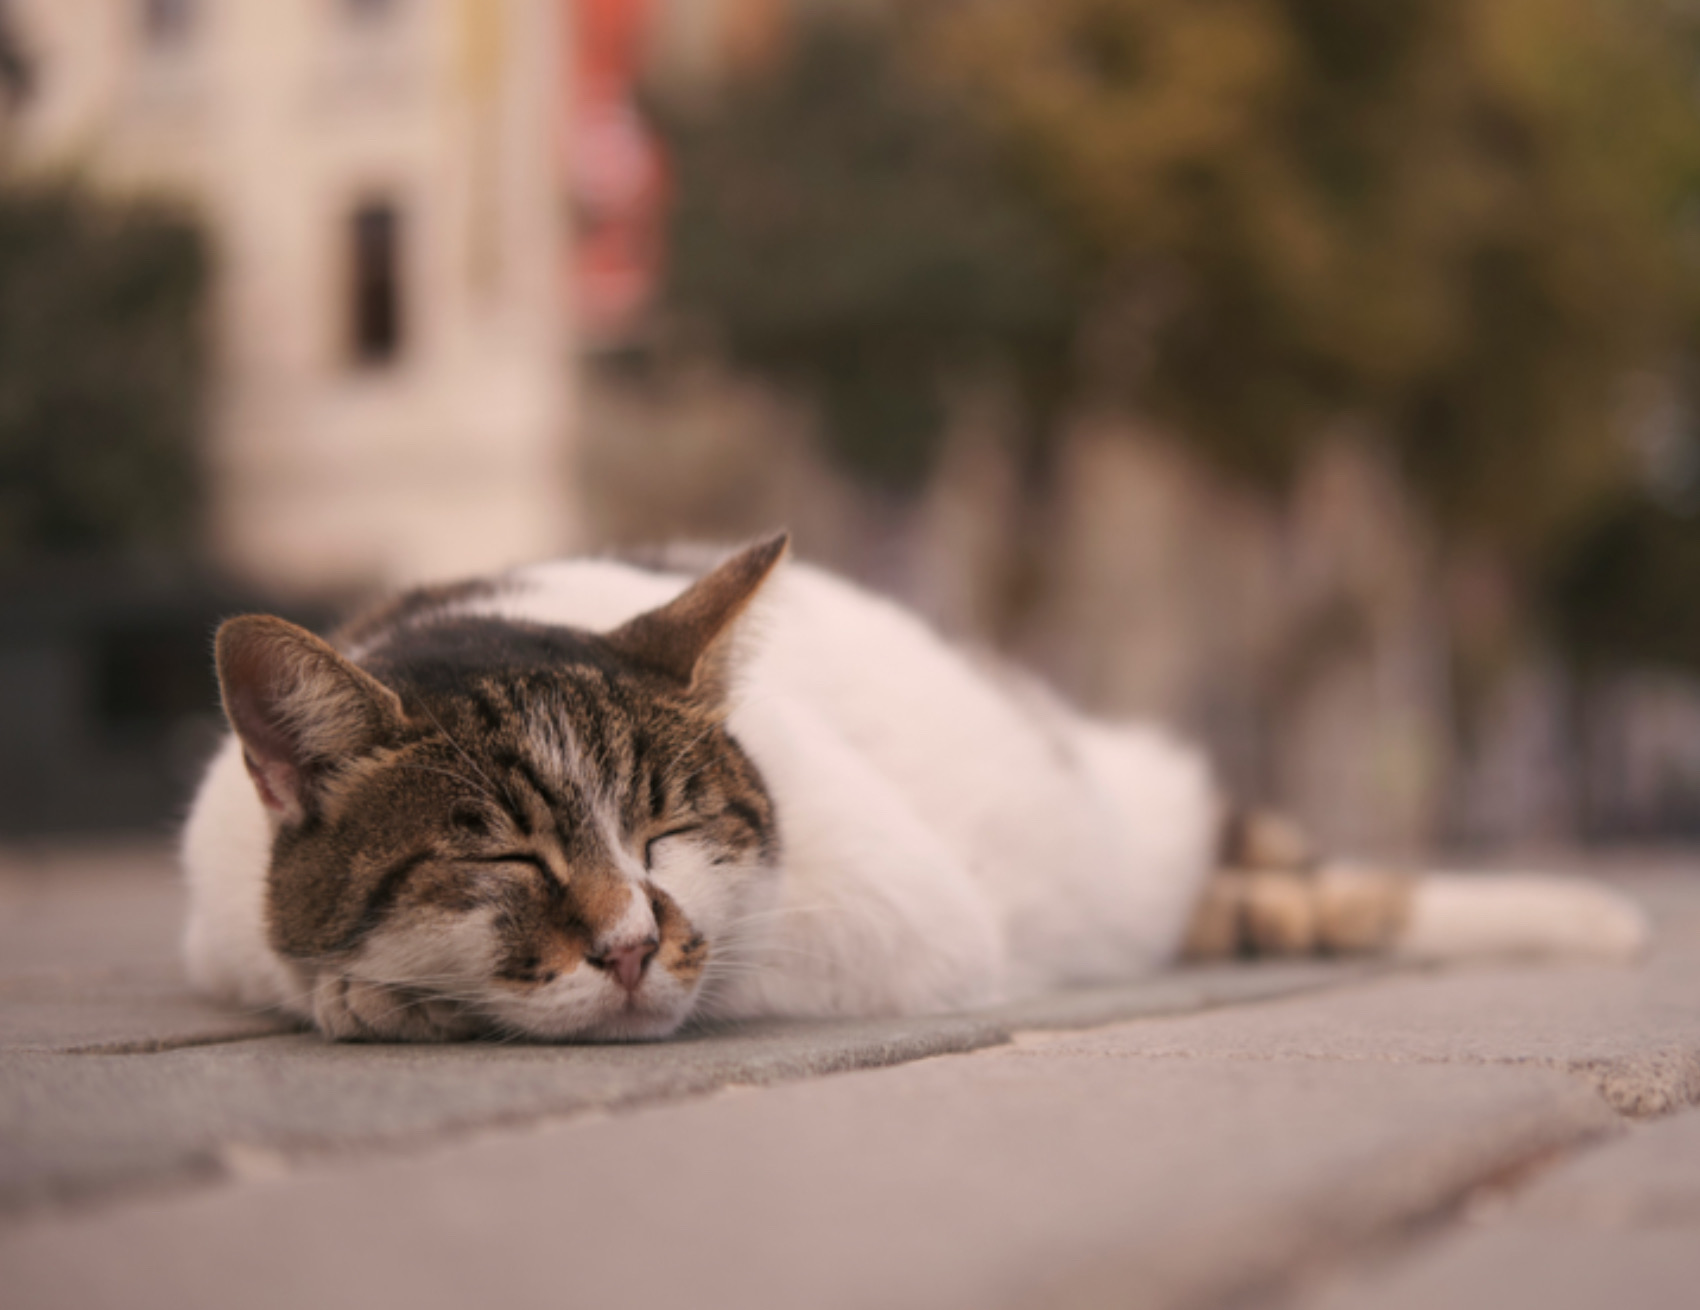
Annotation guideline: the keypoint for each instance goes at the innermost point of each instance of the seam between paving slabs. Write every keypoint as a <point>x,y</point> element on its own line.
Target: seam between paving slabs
<point>1410,1235</point>
<point>212,1164</point>
<point>1046,1014</point>
<point>221,1161</point>
<point>1668,1096</point>
<point>155,1045</point>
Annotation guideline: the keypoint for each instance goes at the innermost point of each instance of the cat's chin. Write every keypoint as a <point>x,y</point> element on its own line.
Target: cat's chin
<point>350,1009</point>
<point>629,1026</point>
<point>622,1020</point>
<point>635,1025</point>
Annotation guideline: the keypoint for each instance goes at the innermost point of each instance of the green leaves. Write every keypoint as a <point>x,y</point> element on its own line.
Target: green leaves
<point>1449,227</point>
<point>101,365</point>
<point>846,228</point>
<point>1452,220</point>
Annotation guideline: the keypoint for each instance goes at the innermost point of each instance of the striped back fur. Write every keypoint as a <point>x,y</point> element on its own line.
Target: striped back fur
<point>490,826</point>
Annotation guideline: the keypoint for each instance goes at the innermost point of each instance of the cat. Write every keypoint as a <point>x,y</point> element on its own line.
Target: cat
<point>596,799</point>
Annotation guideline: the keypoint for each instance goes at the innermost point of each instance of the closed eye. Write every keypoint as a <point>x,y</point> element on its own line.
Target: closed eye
<point>512,857</point>
<point>545,876</point>
<point>649,846</point>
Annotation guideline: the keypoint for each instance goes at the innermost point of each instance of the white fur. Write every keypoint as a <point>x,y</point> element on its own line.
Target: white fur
<point>950,836</point>
<point>947,839</point>
<point>226,850</point>
<point>1465,914</point>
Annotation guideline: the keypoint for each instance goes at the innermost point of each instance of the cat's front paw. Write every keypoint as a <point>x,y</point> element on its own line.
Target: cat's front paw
<point>348,1009</point>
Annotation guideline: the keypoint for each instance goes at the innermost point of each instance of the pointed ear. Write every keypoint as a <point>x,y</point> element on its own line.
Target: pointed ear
<point>690,639</point>
<point>298,707</point>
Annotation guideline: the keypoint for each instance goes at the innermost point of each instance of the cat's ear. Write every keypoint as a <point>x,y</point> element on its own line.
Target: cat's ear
<point>692,638</point>
<point>298,707</point>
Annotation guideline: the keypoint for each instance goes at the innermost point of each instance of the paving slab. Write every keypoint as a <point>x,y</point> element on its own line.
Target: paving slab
<point>154,1008</point>
<point>1231,1129</point>
<point>119,1010</point>
<point>1618,1226</point>
<point>101,1090</point>
<point>1183,991</point>
<point>74,1126</point>
<point>94,908</point>
<point>115,1075</point>
<point>1523,1269</point>
<point>980,1181</point>
<point>1648,1178</point>
<point>1632,1032</point>
<point>106,1088</point>
<point>88,954</point>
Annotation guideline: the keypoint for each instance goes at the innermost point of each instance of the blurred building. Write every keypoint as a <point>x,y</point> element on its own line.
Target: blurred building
<point>385,186</point>
<point>699,40</point>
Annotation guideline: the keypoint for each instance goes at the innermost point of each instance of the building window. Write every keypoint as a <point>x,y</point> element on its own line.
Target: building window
<point>369,11</point>
<point>17,75</point>
<point>166,24</point>
<point>375,301</point>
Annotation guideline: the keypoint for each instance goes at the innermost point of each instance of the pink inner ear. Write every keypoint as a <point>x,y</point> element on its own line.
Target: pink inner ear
<point>278,783</point>
<point>267,750</point>
<point>296,705</point>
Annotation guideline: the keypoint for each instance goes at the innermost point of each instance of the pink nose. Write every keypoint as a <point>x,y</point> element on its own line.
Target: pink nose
<point>626,963</point>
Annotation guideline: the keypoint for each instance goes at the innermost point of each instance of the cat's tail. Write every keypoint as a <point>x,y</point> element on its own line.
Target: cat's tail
<point>1461,915</point>
<point>1272,897</point>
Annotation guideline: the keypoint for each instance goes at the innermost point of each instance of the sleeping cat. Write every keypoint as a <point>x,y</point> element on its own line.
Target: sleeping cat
<point>594,800</point>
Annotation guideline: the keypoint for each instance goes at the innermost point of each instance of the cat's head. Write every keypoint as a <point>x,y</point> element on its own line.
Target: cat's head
<point>495,827</point>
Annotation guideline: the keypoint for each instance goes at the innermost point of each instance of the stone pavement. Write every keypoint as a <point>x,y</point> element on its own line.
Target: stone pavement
<point>1314,1135</point>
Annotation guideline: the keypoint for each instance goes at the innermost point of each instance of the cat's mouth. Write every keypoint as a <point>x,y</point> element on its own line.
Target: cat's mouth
<point>637,1015</point>
<point>630,1020</point>
<point>615,1014</point>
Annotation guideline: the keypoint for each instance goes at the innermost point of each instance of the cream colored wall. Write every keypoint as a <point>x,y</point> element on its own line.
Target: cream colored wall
<point>276,120</point>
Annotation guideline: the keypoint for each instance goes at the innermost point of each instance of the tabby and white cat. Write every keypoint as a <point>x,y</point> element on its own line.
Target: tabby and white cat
<point>593,800</point>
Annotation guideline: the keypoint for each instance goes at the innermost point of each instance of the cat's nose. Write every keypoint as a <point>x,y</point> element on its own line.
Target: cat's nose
<point>625,964</point>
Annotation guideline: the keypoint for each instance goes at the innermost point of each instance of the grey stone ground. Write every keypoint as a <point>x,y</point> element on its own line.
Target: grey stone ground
<point>1308,1136</point>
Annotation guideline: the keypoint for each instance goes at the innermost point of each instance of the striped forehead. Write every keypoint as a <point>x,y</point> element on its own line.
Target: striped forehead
<point>570,744</point>
<point>556,749</point>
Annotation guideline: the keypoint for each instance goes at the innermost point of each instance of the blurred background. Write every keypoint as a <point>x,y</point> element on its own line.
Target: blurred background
<point>1316,376</point>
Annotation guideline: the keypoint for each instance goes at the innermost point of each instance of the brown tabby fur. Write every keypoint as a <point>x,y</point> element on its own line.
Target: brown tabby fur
<point>462,764</point>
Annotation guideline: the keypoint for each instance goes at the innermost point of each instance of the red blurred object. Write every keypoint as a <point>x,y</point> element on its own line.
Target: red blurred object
<point>618,172</point>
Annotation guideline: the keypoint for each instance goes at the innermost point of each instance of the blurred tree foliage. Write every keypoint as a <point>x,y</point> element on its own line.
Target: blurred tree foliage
<point>1625,591</point>
<point>1448,227</point>
<point>101,372</point>
<point>1453,220</point>
<point>848,227</point>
